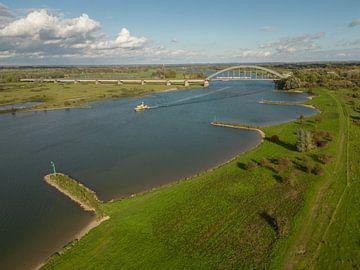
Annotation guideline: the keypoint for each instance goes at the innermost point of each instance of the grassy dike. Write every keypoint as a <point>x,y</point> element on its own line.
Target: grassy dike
<point>233,217</point>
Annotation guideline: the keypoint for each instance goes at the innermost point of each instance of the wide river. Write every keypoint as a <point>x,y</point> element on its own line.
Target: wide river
<point>117,152</point>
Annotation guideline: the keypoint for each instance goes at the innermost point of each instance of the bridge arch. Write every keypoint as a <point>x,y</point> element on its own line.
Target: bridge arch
<point>277,74</point>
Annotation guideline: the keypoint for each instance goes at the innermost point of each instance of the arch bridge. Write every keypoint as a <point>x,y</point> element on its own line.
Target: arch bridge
<point>246,72</point>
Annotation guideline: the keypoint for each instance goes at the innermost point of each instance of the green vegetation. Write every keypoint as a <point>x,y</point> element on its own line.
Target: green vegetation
<point>56,96</point>
<point>8,75</point>
<point>69,95</point>
<point>262,210</point>
<point>85,197</point>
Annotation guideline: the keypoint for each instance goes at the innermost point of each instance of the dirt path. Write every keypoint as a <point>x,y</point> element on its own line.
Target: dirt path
<point>310,223</point>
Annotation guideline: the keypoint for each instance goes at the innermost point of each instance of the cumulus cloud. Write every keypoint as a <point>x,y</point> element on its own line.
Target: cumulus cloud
<point>354,23</point>
<point>39,24</point>
<point>123,40</point>
<point>267,29</point>
<point>294,44</point>
<point>41,34</point>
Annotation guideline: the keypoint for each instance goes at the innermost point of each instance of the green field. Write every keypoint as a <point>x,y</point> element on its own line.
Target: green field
<point>55,96</point>
<point>266,209</point>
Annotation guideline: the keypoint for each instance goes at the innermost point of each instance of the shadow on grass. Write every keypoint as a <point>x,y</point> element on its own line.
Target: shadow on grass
<point>286,145</point>
<point>271,221</point>
<point>278,178</point>
<point>241,165</point>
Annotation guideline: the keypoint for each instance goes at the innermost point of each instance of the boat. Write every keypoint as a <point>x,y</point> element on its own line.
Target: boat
<point>141,107</point>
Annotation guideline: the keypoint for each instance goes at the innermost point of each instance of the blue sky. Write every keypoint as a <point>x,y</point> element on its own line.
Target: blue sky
<point>130,32</point>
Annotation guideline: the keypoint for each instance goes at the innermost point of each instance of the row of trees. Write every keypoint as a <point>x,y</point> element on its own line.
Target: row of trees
<point>339,77</point>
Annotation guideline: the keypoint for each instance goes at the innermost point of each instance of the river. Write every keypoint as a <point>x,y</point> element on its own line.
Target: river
<point>117,152</point>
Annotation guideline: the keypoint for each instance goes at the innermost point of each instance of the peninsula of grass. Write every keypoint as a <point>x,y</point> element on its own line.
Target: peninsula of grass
<point>77,192</point>
<point>269,208</point>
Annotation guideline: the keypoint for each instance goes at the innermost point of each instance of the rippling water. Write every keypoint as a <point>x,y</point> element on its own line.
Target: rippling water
<point>117,152</point>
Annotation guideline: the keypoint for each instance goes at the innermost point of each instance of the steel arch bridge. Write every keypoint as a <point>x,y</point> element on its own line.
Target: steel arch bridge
<point>244,67</point>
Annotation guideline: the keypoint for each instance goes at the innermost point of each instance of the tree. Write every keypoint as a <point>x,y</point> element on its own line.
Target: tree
<point>305,141</point>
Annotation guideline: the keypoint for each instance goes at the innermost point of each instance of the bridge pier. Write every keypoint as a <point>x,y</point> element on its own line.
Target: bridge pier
<point>168,83</point>
<point>206,83</point>
<point>119,82</point>
<point>186,83</point>
<point>142,82</point>
<point>97,82</point>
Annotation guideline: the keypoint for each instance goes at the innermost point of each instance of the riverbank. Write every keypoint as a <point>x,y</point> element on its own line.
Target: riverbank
<point>222,217</point>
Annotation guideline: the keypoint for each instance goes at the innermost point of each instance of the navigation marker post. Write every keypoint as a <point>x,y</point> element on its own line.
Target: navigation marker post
<point>53,166</point>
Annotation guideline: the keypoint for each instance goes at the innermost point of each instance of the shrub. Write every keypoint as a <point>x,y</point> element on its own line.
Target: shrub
<point>283,164</point>
<point>251,165</point>
<point>325,159</point>
<point>306,165</point>
<point>301,118</point>
<point>323,135</point>
<point>274,138</point>
<point>264,162</point>
<point>318,170</point>
<point>321,144</point>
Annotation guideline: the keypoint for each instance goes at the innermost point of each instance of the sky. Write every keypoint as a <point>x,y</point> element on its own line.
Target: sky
<point>166,32</point>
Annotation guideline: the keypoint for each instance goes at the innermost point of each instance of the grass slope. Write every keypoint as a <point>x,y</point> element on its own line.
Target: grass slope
<point>228,218</point>
<point>332,228</point>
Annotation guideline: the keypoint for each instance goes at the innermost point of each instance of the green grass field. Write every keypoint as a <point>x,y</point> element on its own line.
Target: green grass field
<point>56,96</point>
<point>269,216</point>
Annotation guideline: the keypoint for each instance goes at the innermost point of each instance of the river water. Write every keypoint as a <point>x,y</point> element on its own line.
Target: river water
<point>117,152</point>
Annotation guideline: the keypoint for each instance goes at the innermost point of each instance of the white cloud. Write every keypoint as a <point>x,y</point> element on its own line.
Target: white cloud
<point>43,35</point>
<point>294,44</point>
<point>354,23</point>
<point>267,29</point>
<point>123,41</point>
<point>41,24</point>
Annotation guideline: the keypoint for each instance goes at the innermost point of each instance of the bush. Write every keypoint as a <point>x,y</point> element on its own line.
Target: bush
<point>325,159</point>
<point>323,135</point>
<point>306,165</point>
<point>251,165</point>
<point>274,138</point>
<point>301,118</point>
<point>318,170</point>
<point>264,162</point>
<point>321,144</point>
